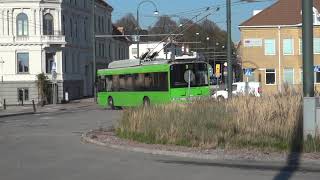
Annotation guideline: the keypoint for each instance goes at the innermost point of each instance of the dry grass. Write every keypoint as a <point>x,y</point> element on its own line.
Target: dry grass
<point>268,122</point>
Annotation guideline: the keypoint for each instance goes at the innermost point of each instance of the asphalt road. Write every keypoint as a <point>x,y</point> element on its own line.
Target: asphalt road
<point>48,146</point>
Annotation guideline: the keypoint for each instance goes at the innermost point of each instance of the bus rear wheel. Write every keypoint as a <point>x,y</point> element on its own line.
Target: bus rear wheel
<point>146,102</point>
<point>110,103</point>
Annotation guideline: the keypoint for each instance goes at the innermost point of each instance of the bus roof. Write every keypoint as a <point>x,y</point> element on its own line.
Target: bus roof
<point>132,66</point>
<point>136,69</point>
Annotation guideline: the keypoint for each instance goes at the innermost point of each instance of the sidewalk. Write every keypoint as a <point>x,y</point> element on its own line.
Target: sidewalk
<point>28,109</point>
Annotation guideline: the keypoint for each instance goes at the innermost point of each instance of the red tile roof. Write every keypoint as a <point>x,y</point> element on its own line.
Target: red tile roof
<point>283,12</point>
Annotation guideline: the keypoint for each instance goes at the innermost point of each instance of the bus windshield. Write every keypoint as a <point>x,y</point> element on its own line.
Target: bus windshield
<point>182,74</point>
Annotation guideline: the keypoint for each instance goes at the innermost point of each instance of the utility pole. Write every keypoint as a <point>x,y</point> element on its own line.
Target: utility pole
<point>138,35</point>
<point>229,49</point>
<point>309,101</point>
<point>94,69</point>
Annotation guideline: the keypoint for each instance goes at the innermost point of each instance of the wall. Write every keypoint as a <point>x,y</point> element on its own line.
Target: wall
<point>254,57</point>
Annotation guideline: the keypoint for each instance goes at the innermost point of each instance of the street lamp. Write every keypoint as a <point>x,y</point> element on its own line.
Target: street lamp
<point>156,12</point>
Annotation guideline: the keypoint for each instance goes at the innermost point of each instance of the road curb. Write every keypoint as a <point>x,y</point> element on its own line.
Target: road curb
<point>16,114</point>
<point>43,111</point>
<point>310,166</point>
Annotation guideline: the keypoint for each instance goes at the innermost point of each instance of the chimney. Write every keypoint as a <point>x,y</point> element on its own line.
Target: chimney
<point>121,29</point>
<point>255,12</point>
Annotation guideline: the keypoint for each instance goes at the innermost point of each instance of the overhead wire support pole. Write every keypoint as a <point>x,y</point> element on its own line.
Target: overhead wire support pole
<point>229,50</point>
<point>309,101</point>
<point>307,35</point>
<point>94,68</point>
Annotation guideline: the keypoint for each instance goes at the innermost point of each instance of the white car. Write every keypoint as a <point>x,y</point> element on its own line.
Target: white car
<point>239,88</point>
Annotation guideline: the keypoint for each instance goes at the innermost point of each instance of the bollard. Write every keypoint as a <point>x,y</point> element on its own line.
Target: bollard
<point>4,104</point>
<point>34,106</point>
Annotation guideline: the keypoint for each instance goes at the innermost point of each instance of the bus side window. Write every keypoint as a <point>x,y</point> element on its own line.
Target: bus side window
<point>115,83</point>
<point>109,83</point>
<point>129,82</point>
<point>101,84</point>
<point>122,82</point>
<point>148,81</point>
<point>140,82</point>
<point>163,81</point>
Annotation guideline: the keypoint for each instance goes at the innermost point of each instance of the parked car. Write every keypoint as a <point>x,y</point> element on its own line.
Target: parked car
<point>239,88</point>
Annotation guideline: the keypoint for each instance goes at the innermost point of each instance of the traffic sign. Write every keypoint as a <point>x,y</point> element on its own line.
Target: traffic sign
<point>248,72</point>
<point>218,70</point>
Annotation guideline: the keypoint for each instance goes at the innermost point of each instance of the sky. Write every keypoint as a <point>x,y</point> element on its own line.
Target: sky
<point>240,11</point>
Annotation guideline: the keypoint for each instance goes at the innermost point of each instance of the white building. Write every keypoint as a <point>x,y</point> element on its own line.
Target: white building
<point>164,51</point>
<point>36,34</point>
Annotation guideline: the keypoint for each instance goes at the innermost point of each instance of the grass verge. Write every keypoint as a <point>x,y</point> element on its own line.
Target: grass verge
<point>267,123</point>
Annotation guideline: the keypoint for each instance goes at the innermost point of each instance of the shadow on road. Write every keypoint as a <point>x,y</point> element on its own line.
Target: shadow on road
<point>293,161</point>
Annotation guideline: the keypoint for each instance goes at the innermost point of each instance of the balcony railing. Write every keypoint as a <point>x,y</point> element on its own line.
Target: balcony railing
<point>46,39</point>
<point>53,39</point>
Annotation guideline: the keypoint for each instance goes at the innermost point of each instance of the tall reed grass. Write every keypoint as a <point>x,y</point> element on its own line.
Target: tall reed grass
<point>268,122</point>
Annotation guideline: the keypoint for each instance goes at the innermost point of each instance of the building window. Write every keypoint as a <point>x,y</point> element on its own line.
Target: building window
<point>300,46</point>
<point>23,94</point>
<point>288,76</point>
<point>316,45</point>
<point>48,24</point>
<point>269,47</point>
<point>76,28</point>
<point>65,62</point>
<point>22,25</point>
<point>270,76</point>
<point>23,62</point>
<point>49,62</point>
<point>301,76</point>
<point>63,25</point>
<point>134,51</point>
<point>71,27</point>
<point>288,47</point>
<point>317,76</point>
<point>85,29</point>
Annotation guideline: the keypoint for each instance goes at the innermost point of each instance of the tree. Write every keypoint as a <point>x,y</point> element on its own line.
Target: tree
<point>129,23</point>
<point>43,88</point>
<point>165,25</point>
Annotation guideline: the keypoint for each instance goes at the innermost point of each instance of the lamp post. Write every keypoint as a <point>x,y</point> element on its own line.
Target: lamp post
<point>229,49</point>
<point>156,12</point>
<point>208,39</point>
<point>309,101</point>
<point>197,39</point>
<point>214,56</point>
<point>2,62</point>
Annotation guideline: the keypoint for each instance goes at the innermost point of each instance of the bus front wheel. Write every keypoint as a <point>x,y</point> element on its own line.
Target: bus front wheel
<point>146,102</point>
<point>110,103</point>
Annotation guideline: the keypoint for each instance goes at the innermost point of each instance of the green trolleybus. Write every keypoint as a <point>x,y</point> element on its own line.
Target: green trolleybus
<point>128,83</point>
